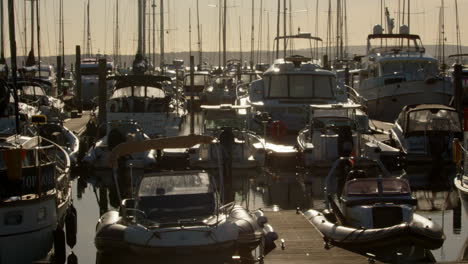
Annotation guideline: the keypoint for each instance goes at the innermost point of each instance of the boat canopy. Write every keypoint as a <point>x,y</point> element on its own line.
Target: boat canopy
<point>432,119</point>
<point>394,43</point>
<point>180,183</point>
<point>303,86</point>
<point>138,91</point>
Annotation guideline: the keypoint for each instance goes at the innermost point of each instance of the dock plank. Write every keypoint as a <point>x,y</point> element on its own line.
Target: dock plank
<point>303,243</point>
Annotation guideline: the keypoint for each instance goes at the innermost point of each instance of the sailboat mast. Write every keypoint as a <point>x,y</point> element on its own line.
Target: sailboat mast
<point>32,25</point>
<point>25,26</point>
<point>224,33</point>
<point>154,33</point>
<point>117,36</point>
<point>338,10</point>
<point>252,38</point>
<point>278,28</point>
<point>161,6</point>
<point>190,31</point>
<point>457,27</point>
<point>88,31</point>
<point>240,41</point>
<point>11,20</point>
<point>38,36</point>
<point>284,28</point>
<point>200,54</point>
<point>260,33</point>
<point>2,42</point>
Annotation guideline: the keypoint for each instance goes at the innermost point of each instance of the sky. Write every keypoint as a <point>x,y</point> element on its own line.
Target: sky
<point>362,15</point>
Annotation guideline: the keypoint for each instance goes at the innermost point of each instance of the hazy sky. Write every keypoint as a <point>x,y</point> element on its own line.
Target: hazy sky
<point>362,15</point>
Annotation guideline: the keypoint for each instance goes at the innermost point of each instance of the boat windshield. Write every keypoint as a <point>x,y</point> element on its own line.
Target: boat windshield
<point>247,78</point>
<point>433,120</point>
<point>176,195</point>
<point>414,70</point>
<point>33,90</point>
<point>376,186</point>
<point>301,86</point>
<point>198,80</point>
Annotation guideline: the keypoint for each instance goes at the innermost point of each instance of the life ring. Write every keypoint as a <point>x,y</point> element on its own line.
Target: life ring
<point>278,129</point>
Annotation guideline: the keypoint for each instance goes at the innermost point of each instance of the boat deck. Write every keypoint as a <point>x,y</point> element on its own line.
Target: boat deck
<point>303,243</point>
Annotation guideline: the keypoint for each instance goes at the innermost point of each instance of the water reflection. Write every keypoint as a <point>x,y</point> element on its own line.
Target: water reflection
<point>275,190</point>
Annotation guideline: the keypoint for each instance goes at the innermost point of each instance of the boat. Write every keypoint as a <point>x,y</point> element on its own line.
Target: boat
<point>424,134</point>
<point>97,157</point>
<point>228,124</point>
<point>34,213</point>
<point>34,92</point>
<point>44,72</point>
<point>177,213</point>
<point>221,91</point>
<point>368,210</point>
<point>201,80</point>
<point>143,99</point>
<point>334,131</point>
<point>461,180</point>
<point>397,72</point>
<point>90,81</point>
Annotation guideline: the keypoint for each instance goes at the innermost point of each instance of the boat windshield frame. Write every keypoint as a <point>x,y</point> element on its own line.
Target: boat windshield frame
<point>376,187</point>
<point>288,82</point>
<point>413,44</point>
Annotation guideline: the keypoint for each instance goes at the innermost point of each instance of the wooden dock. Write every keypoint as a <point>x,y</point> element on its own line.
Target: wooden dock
<point>303,243</point>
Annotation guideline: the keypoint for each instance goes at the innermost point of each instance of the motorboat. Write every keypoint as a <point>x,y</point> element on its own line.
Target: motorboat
<point>142,98</point>
<point>367,210</point>
<point>90,80</point>
<point>397,72</point>
<point>118,132</point>
<point>35,197</point>
<point>43,72</point>
<point>221,91</point>
<point>33,92</point>
<point>177,213</point>
<point>201,80</point>
<point>424,134</point>
<point>334,131</point>
<point>228,124</point>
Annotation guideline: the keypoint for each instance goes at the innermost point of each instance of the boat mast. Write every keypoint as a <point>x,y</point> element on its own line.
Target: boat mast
<point>190,31</point>
<point>154,34</point>
<point>11,23</point>
<point>316,27</point>
<point>260,33</point>
<point>224,33</point>
<point>161,6</point>
<point>38,37</point>
<point>220,22</point>
<point>200,54</point>
<point>252,38</point>
<point>2,41</point>
<point>240,41</point>
<point>457,27</point>
<point>278,28</point>
<point>117,37</point>
<point>88,32</point>
<point>25,31</point>
<point>61,37</point>
<point>284,28</point>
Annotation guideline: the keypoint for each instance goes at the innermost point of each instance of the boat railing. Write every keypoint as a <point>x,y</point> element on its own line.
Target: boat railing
<point>42,157</point>
<point>355,96</point>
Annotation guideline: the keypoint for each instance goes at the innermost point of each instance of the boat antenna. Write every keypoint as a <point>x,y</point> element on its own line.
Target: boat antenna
<point>200,53</point>
<point>11,23</point>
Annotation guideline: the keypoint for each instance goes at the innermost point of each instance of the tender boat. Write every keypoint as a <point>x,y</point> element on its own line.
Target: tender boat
<point>176,213</point>
<point>368,210</point>
<point>334,131</point>
<point>228,123</point>
<point>142,98</point>
<point>424,133</point>
<point>397,72</point>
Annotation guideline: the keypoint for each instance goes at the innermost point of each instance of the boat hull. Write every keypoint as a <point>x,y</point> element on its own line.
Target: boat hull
<point>462,192</point>
<point>30,235</point>
<point>420,232</point>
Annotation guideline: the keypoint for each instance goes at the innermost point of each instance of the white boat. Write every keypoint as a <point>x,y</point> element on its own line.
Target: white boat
<point>228,124</point>
<point>45,73</point>
<point>424,134</point>
<point>90,81</point>
<point>32,211</point>
<point>396,72</point>
<point>97,157</point>
<point>221,91</point>
<point>143,99</point>
<point>369,211</point>
<point>334,131</point>
<point>179,213</point>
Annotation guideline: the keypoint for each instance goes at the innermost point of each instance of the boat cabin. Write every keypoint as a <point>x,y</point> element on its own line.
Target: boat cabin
<point>200,81</point>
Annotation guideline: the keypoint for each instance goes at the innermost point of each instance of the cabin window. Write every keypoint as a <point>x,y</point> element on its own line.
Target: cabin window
<point>198,80</point>
<point>433,120</point>
<point>301,86</point>
<point>413,70</point>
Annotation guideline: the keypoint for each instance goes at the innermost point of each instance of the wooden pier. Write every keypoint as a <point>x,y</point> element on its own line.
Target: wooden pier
<point>303,244</point>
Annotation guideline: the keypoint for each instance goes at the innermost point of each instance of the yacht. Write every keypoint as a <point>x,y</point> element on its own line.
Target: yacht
<point>396,71</point>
